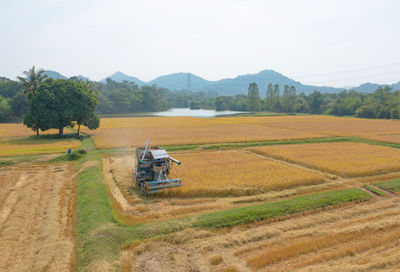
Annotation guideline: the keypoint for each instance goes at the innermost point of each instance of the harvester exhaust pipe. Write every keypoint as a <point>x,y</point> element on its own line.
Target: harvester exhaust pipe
<point>175,161</point>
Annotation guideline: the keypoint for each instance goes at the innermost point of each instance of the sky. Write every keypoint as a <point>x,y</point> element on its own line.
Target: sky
<point>333,43</point>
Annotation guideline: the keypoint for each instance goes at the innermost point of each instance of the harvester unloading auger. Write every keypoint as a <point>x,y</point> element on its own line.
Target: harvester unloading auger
<point>152,169</point>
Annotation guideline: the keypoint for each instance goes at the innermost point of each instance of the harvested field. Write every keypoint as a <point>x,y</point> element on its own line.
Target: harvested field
<point>345,159</point>
<point>37,217</point>
<point>358,237</point>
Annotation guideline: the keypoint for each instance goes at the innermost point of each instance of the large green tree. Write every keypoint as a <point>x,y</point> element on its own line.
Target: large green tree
<point>61,103</point>
<point>83,104</point>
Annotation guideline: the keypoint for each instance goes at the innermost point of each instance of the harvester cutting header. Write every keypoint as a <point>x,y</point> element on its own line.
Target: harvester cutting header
<point>153,166</point>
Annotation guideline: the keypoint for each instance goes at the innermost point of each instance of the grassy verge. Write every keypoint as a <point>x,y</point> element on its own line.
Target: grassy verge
<point>374,190</point>
<point>180,147</point>
<point>372,142</point>
<point>391,185</point>
<point>264,143</point>
<point>269,210</point>
<point>6,163</point>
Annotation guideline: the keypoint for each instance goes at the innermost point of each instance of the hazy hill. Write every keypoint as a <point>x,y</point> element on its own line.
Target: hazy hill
<point>179,81</point>
<point>119,77</point>
<point>229,86</point>
<point>54,74</point>
<point>371,87</point>
<point>241,83</point>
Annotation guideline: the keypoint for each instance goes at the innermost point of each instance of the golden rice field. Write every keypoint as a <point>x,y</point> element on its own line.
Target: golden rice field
<point>17,130</point>
<point>126,132</point>
<point>128,137</point>
<point>13,149</point>
<point>122,132</point>
<point>12,130</point>
<point>235,173</point>
<point>345,158</point>
<point>338,126</point>
<point>387,138</point>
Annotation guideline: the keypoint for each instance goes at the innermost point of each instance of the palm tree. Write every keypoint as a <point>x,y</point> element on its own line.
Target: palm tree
<point>32,80</point>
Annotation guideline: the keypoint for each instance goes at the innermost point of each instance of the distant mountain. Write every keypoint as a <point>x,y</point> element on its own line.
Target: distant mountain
<point>119,77</point>
<point>179,81</point>
<point>240,84</point>
<point>371,87</point>
<point>54,74</point>
<point>229,86</point>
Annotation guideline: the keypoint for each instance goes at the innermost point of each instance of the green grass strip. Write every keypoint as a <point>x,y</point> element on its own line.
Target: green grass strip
<point>269,210</point>
<point>6,163</point>
<point>391,185</point>
<point>374,190</point>
<point>372,142</point>
<point>264,143</point>
<point>180,147</point>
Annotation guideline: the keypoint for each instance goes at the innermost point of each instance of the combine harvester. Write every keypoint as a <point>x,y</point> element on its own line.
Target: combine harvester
<point>153,166</point>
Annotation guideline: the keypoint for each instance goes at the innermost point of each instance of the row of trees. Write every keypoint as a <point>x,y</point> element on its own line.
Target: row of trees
<point>287,102</point>
<point>384,103</point>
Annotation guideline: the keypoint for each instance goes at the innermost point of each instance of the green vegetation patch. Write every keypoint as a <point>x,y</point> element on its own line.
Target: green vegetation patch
<point>264,143</point>
<point>180,147</point>
<point>269,210</point>
<point>372,142</point>
<point>374,190</point>
<point>391,185</point>
<point>6,163</point>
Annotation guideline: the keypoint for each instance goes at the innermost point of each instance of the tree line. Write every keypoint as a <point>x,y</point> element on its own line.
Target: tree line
<point>112,97</point>
<point>28,97</point>
<point>384,103</point>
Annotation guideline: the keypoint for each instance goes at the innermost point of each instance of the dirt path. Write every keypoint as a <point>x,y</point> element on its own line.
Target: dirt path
<point>37,218</point>
<point>359,237</point>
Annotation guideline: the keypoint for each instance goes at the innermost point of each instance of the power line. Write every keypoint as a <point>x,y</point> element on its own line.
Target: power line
<point>353,70</point>
<point>188,82</point>
<point>349,78</point>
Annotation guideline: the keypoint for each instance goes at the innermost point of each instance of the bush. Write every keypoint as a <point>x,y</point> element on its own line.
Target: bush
<point>75,155</point>
<point>366,111</point>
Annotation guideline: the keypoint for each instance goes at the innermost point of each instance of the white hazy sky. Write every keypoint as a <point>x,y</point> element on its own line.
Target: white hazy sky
<point>315,42</point>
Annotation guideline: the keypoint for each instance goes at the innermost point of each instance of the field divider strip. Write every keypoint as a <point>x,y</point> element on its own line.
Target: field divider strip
<point>229,145</point>
<point>390,186</point>
<point>296,164</point>
<point>260,212</point>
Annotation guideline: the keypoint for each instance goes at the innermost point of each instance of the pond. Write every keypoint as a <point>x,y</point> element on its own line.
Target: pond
<point>193,113</point>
